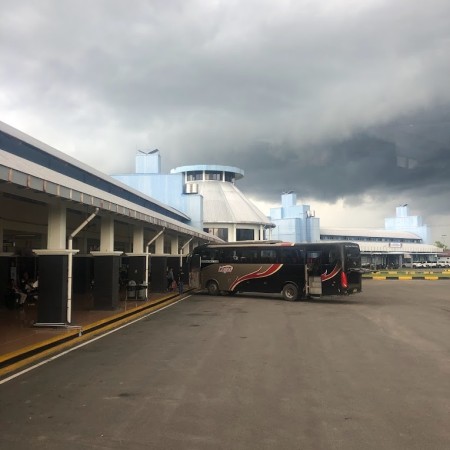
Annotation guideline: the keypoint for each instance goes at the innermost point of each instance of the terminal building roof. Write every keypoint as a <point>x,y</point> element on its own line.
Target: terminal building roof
<point>369,234</point>
<point>380,241</point>
<point>225,203</point>
<point>238,173</point>
<point>401,248</point>
<point>39,168</point>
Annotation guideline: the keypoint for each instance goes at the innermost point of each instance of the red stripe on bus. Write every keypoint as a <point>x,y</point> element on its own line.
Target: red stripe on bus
<point>327,276</point>
<point>257,274</point>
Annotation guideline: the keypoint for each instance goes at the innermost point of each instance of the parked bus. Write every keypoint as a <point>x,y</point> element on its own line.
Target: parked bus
<point>295,270</point>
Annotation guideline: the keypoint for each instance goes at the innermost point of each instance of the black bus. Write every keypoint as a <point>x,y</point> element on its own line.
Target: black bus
<point>297,271</point>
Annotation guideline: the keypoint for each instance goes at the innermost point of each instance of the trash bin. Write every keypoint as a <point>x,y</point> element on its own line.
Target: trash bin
<point>141,291</point>
<point>131,289</point>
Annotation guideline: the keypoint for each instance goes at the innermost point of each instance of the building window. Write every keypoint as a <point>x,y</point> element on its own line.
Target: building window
<point>221,233</point>
<point>229,176</point>
<point>245,234</point>
<point>217,176</point>
<point>196,175</point>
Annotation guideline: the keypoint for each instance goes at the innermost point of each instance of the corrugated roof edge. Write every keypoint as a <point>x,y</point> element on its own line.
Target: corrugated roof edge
<point>69,159</point>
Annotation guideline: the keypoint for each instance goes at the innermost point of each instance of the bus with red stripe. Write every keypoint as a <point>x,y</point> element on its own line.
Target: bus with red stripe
<point>297,271</point>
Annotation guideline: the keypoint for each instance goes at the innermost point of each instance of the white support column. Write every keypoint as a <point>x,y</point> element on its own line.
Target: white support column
<point>174,245</point>
<point>232,233</point>
<point>56,232</point>
<point>138,239</point>
<point>159,245</point>
<point>107,234</point>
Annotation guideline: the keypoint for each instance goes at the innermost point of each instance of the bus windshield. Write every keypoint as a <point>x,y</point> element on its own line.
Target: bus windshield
<point>352,257</point>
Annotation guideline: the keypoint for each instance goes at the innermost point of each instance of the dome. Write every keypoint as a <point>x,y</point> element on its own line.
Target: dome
<point>225,203</point>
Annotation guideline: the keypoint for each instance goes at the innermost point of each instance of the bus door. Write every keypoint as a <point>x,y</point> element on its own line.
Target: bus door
<point>312,273</point>
<point>331,269</point>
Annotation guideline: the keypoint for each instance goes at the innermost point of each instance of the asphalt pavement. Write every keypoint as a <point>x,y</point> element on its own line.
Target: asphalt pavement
<point>370,371</point>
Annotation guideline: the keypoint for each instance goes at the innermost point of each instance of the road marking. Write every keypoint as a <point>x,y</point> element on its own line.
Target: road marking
<point>41,363</point>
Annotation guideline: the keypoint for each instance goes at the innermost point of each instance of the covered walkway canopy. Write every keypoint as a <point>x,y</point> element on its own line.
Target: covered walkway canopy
<point>56,207</point>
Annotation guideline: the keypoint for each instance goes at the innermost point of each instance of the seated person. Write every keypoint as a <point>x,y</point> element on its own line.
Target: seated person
<point>29,288</point>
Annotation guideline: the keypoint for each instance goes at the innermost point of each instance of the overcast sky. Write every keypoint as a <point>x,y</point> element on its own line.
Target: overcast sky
<point>345,102</point>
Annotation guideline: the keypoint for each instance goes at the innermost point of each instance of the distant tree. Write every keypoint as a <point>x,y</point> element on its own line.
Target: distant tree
<point>440,245</point>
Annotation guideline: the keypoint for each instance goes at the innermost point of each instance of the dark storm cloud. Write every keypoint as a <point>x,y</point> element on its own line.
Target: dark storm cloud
<point>362,163</point>
<point>334,99</point>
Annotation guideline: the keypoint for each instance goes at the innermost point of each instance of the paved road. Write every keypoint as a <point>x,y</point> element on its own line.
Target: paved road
<point>371,372</point>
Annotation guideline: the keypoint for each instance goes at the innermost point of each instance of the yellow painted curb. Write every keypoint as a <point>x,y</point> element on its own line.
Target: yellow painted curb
<point>378,278</point>
<point>405,278</point>
<point>431,278</point>
<point>48,342</point>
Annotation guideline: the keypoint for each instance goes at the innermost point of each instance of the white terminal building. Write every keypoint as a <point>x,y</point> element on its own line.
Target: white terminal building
<point>402,242</point>
<point>209,196</point>
<point>206,193</point>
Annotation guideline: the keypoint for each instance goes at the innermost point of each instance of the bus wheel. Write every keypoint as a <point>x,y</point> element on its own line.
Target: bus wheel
<point>213,288</point>
<point>290,292</point>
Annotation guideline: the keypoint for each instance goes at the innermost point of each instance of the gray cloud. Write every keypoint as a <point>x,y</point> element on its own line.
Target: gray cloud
<point>334,99</point>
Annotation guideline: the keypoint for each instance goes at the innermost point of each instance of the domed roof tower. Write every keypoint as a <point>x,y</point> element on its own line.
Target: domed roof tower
<point>227,213</point>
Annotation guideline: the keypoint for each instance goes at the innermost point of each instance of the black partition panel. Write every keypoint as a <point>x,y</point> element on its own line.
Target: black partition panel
<point>106,282</point>
<point>158,271</point>
<point>52,303</point>
<point>136,269</point>
<point>83,274</point>
<point>158,279</point>
<point>5,276</point>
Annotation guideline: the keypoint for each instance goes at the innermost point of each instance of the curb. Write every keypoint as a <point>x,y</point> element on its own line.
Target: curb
<point>405,277</point>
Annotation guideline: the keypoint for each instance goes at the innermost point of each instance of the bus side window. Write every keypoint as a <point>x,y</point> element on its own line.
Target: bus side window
<point>226,256</point>
<point>333,256</point>
<point>248,255</point>
<point>268,256</point>
<point>291,256</point>
<point>209,254</point>
<point>244,256</point>
<point>313,262</point>
<point>229,256</point>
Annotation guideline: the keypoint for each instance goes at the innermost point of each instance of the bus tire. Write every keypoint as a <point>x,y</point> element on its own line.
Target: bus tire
<point>213,288</point>
<point>290,292</point>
